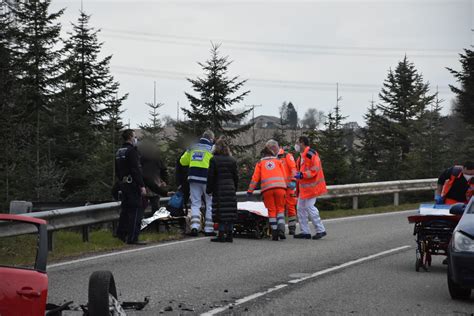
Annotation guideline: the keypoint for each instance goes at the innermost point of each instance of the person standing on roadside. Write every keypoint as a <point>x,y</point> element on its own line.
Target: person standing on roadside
<point>127,164</point>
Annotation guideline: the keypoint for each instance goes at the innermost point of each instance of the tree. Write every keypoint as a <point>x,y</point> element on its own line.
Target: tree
<point>333,151</point>
<point>464,108</point>
<point>88,113</point>
<point>313,119</point>
<point>465,93</point>
<point>152,130</point>
<point>217,94</point>
<point>404,98</point>
<point>36,35</point>
<point>290,116</point>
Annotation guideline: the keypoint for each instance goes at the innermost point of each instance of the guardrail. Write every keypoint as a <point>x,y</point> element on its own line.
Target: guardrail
<point>85,216</point>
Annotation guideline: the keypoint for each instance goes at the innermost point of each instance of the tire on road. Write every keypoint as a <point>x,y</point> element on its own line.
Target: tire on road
<point>456,291</point>
<point>101,284</point>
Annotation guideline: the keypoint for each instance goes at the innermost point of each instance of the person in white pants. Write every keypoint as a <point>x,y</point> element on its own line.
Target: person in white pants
<point>307,207</point>
<point>198,190</point>
<point>197,159</point>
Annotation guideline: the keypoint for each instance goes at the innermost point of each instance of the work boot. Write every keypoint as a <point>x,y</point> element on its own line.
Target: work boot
<point>302,236</point>
<point>229,238</point>
<point>291,230</point>
<point>319,235</point>
<point>275,235</point>
<point>219,238</point>
<point>281,234</point>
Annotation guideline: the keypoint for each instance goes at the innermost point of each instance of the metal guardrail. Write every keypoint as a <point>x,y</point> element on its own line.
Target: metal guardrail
<point>109,212</point>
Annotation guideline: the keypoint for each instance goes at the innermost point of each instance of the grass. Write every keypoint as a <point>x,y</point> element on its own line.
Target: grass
<point>20,250</point>
<point>366,211</point>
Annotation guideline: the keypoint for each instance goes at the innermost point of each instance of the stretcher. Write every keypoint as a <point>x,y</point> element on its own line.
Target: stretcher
<point>252,220</point>
<point>433,229</point>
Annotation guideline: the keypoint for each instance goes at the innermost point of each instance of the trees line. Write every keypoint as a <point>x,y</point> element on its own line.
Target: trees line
<point>60,117</point>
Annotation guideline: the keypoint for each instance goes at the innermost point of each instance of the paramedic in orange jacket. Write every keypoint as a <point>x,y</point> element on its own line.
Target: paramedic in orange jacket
<point>289,166</point>
<point>311,184</point>
<point>269,172</point>
<point>456,184</point>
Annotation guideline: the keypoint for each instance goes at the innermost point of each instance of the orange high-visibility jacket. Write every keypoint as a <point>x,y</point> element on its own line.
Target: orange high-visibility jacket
<point>269,172</point>
<point>312,184</point>
<point>448,184</point>
<point>289,165</point>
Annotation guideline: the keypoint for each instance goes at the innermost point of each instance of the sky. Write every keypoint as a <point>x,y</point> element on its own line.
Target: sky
<point>296,51</point>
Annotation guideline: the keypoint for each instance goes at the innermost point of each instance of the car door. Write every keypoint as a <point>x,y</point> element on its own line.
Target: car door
<point>23,254</point>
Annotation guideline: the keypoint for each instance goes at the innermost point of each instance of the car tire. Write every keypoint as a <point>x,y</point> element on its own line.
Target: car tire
<point>456,291</point>
<point>101,285</point>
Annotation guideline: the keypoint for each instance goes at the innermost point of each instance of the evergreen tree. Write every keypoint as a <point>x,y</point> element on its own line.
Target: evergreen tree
<point>404,99</point>
<point>88,104</point>
<point>291,116</point>
<point>152,130</point>
<point>334,153</point>
<point>464,108</point>
<point>217,95</point>
<point>36,35</point>
<point>369,148</point>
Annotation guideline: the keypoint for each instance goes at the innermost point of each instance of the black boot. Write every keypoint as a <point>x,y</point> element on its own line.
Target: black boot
<point>275,235</point>
<point>219,238</point>
<point>292,230</point>
<point>281,234</point>
<point>229,238</point>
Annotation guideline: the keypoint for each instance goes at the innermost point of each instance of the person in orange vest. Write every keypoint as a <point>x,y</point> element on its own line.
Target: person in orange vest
<point>456,184</point>
<point>311,184</point>
<point>269,173</point>
<point>289,166</point>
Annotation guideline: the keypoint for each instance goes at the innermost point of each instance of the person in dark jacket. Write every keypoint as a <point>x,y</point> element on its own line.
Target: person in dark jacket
<point>127,164</point>
<point>155,174</point>
<point>222,182</point>
<point>456,184</point>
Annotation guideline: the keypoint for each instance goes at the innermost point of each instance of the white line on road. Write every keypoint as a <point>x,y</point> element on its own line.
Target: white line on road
<point>60,264</point>
<point>122,252</point>
<point>295,281</point>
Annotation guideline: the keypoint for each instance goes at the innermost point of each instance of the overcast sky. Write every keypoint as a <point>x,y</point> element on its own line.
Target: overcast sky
<point>288,50</point>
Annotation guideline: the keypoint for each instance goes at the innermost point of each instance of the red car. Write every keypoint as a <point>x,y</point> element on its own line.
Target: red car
<point>24,283</point>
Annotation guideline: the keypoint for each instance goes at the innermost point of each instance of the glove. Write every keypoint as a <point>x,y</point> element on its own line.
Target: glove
<point>439,199</point>
<point>299,175</point>
<point>292,185</point>
<point>249,194</point>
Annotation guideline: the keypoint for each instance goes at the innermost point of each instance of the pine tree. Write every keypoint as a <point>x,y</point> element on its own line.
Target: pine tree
<point>217,95</point>
<point>88,106</point>
<point>332,148</point>
<point>36,58</point>
<point>404,99</point>
<point>152,130</point>
<point>369,149</point>
<point>291,116</point>
<point>464,108</point>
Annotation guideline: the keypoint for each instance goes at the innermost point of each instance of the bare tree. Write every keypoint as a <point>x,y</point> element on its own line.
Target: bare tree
<point>313,119</point>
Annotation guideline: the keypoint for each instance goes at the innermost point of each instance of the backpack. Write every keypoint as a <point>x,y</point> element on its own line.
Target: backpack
<point>175,204</point>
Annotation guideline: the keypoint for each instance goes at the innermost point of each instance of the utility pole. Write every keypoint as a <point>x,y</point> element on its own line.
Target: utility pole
<point>253,127</point>
<point>177,111</point>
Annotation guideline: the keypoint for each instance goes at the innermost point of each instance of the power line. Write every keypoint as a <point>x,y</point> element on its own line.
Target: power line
<point>261,82</point>
<point>289,50</point>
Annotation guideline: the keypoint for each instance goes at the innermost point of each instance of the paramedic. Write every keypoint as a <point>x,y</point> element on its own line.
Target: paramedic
<point>456,184</point>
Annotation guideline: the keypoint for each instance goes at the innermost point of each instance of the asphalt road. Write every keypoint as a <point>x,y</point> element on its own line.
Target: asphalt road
<point>364,266</point>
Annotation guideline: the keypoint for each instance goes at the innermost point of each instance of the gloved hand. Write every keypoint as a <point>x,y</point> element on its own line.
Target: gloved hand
<point>439,199</point>
<point>299,175</point>
<point>249,194</point>
<point>292,185</point>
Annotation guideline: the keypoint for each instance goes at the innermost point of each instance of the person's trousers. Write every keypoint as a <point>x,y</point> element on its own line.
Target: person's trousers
<point>226,228</point>
<point>306,207</point>
<point>198,190</point>
<point>291,201</point>
<point>129,223</point>
<point>274,200</point>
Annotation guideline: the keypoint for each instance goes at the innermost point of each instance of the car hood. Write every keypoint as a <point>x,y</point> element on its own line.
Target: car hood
<point>466,224</point>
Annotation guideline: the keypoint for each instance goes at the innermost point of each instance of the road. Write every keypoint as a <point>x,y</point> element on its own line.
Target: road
<point>364,266</point>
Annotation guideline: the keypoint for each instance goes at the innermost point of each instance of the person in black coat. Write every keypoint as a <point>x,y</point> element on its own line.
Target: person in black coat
<point>222,181</point>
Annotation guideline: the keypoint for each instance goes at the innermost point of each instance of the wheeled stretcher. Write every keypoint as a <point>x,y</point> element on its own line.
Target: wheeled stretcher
<point>433,229</point>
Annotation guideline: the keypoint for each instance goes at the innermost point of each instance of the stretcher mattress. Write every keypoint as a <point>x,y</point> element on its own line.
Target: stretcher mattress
<point>253,207</point>
<point>433,209</point>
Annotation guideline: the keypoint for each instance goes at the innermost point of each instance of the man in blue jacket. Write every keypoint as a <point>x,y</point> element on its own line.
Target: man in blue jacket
<point>197,158</point>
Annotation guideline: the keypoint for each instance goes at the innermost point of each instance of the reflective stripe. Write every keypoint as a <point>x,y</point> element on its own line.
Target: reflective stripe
<point>310,185</point>
<point>291,218</point>
<point>195,216</point>
<point>308,173</point>
<point>272,179</point>
<point>197,178</point>
<point>272,220</point>
<point>274,185</point>
<point>281,221</point>
<point>267,158</point>
<point>315,168</point>
<point>253,182</point>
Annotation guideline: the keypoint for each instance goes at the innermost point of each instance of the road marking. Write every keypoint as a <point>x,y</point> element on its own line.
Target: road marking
<point>123,252</point>
<point>60,264</point>
<point>295,281</point>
